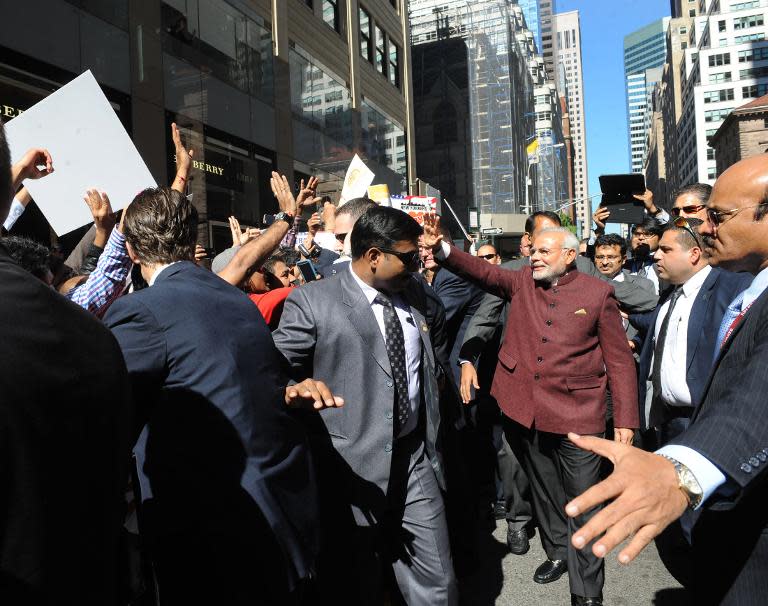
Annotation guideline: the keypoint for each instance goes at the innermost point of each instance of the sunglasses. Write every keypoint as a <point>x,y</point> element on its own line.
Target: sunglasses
<point>682,223</point>
<point>408,259</point>
<point>688,210</point>
<point>488,257</point>
<point>718,217</point>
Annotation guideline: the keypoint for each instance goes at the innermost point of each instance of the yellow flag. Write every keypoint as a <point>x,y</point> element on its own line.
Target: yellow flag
<point>532,148</point>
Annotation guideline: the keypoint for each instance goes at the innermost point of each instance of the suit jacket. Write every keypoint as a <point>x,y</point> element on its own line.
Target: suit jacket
<point>460,300</point>
<point>717,292</point>
<point>66,435</point>
<point>328,331</point>
<point>220,451</point>
<point>552,367</point>
<point>730,429</point>
<point>633,295</point>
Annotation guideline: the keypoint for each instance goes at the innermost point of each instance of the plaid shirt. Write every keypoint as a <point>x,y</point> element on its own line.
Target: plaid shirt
<point>106,282</point>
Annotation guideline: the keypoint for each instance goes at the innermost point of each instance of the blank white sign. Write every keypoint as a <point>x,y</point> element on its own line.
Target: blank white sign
<point>90,150</point>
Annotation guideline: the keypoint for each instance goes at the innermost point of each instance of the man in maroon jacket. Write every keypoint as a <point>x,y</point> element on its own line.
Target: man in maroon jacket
<point>565,343</point>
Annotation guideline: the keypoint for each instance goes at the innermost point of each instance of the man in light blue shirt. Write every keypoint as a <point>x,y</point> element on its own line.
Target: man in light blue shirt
<point>711,477</point>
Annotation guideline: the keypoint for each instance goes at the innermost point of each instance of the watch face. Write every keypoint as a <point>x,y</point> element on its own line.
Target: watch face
<point>690,483</point>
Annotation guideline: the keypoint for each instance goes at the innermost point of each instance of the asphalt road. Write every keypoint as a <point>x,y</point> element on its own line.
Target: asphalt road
<point>505,579</point>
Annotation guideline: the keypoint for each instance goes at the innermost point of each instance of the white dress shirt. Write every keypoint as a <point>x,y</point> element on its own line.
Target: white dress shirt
<point>412,347</point>
<point>16,210</point>
<point>674,387</point>
<point>158,270</point>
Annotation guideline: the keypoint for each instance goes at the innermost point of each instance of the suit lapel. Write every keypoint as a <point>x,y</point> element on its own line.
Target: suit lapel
<point>363,321</point>
<point>421,324</point>
<point>699,312</point>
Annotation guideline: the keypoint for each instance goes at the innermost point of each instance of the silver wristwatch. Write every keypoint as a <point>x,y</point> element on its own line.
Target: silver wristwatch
<point>687,482</point>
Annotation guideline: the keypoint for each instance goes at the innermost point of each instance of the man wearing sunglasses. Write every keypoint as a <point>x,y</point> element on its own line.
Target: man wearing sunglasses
<point>380,467</point>
<point>691,202</point>
<point>713,475</point>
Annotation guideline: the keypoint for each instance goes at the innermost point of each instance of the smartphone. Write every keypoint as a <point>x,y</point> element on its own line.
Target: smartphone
<point>268,220</point>
<point>307,270</point>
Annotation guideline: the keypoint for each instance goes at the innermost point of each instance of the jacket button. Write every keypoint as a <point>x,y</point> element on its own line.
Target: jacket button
<point>389,383</point>
<point>754,461</point>
<point>539,359</point>
<point>536,376</point>
<point>549,322</point>
<point>746,468</point>
<point>544,339</point>
<point>389,414</point>
<point>388,447</point>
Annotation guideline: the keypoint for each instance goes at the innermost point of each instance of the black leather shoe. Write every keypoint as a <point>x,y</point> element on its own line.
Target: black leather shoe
<point>517,541</point>
<point>499,510</point>
<point>577,600</point>
<point>550,571</point>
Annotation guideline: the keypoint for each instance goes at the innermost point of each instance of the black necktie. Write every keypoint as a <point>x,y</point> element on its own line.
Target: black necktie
<point>658,350</point>
<point>393,335</point>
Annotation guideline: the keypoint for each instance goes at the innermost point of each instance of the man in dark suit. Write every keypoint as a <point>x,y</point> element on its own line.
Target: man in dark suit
<point>713,475</point>
<point>364,333</point>
<point>66,427</point>
<point>229,503</point>
<point>551,379</point>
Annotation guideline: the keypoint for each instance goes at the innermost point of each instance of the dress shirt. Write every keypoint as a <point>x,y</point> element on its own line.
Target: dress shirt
<point>709,477</point>
<point>106,281</point>
<point>412,347</point>
<point>17,209</point>
<point>158,270</point>
<point>674,387</point>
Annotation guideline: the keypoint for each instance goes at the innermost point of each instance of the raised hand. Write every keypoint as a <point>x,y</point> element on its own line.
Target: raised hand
<point>101,209</point>
<point>432,237</point>
<point>313,225</point>
<point>647,199</point>
<point>601,214</point>
<point>200,254</point>
<point>183,160</point>
<point>311,394</point>
<point>307,193</point>
<point>646,494</point>
<point>282,191</point>
<point>28,167</point>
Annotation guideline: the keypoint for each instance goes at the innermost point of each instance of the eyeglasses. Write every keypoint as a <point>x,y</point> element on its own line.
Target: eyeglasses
<point>716,217</point>
<point>683,223</point>
<point>688,210</point>
<point>642,235</point>
<point>408,259</point>
<point>488,257</point>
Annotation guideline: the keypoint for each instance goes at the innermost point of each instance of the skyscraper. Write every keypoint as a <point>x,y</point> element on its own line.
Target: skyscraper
<point>644,50</point>
<point>571,83</point>
<point>532,19</point>
<point>547,49</point>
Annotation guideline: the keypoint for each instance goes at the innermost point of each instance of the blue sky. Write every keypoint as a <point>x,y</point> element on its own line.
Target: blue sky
<point>604,23</point>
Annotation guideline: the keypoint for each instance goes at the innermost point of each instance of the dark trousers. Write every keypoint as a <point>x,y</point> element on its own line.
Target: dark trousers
<point>559,471</point>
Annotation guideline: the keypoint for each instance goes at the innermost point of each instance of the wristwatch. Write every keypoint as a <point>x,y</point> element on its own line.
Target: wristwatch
<point>284,216</point>
<point>687,482</point>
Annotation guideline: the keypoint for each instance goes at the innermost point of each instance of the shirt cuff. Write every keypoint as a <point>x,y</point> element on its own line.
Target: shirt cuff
<point>445,250</point>
<point>662,216</point>
<point>17,209</point>
<point>709,477</point>
<point>462,361</point>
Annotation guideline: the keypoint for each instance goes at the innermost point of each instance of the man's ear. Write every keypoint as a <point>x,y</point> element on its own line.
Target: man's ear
<point>695,255</point>
<point>373,256</point>
<point>132,254</point>
<point>570,256</point>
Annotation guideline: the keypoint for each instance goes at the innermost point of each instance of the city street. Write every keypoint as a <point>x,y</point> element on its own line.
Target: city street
<point>506,579</point>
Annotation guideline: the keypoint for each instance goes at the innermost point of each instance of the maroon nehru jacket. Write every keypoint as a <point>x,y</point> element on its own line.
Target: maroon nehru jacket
<point>563,344</point>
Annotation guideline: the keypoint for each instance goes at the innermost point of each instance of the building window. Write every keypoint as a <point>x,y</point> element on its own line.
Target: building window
<point>753,54</point>
<point>394,64</point>
<point>721,26</point>
<point>722,59</point>
<point>747,22</point>
<point>710,153</point>
<point>753,72</point>
<point>740,6</point>
<point>721,77</point>
<point>331,14</point>
<point>381,52</point>
<point>366,43</point>
<point>716,115</point>
<point>716,96</point>
<point>754,91</point>
<point>749,38</point>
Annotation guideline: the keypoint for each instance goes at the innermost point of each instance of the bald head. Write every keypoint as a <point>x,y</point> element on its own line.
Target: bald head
<point>738,238</point>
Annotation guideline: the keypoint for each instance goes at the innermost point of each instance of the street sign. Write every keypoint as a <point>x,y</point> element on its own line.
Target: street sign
<point>492,231</point>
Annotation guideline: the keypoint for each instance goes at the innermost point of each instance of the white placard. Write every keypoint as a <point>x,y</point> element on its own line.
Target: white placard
<point>90,150</point>
<point>356,181</point>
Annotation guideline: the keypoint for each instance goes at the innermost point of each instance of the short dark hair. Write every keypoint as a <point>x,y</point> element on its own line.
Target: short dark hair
<point>29,255</point>
<point>530,222</point>
<point>289,256</point>
<point>701,191</point>
<point>6,187</point>
<point>161,226</point>
<point>684,237</point>
<point>382,226</point>
<point>269,265</point>
<point>355,208</point>
<point>612,240</point>
<point>650,226</point>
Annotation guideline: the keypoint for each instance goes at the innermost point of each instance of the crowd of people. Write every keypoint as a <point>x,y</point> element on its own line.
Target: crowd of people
<point>329,411</point>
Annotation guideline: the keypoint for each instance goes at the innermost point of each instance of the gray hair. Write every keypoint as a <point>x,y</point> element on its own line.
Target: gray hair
<point>570,241</point>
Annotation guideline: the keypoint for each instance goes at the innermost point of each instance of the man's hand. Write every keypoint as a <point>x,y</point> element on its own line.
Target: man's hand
<point>432,237</point>
<point>468,381</point>
<point>647,499</point>
<point>599,217</point>
<point>282,191</point>
<point>328,216</point>
<point>240,237</point>
<point>200,254</point>
<point>313,225</point>
<point>632,345</point>
<point>647,199</point>
<point>103,216</point>
<point>623,435</point>
<point>183,160</point>
<point>311,394</point>
<point>308,193</point>
<point>29,166</point>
